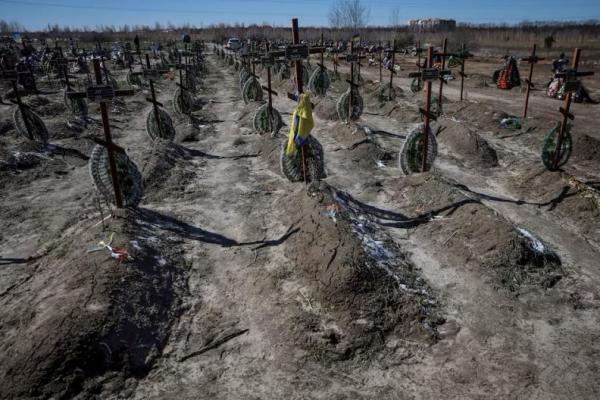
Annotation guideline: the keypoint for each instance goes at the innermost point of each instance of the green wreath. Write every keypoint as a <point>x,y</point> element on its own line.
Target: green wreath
<point>264,124</point>
<point>252,91</point>
<point>549,147</point>
<point>319,81</point>
<point>411,153</point>
<point>386,93</point>
<point>343,105</point>
<point>37,129</point>
<point>130,178</point>
<point>416,85</point>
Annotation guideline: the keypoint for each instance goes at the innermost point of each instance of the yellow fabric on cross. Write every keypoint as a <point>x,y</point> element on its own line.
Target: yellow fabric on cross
<point>305,124</point>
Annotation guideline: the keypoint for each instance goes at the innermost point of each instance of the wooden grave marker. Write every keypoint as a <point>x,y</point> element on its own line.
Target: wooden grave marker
<point>103,93</point>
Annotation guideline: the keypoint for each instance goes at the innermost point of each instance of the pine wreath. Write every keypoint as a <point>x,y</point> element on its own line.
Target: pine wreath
<point>343,105</point>
<point>416,85</point>
<point>133,79</point>
<point>386,93</point>
<point>78,107</point>
<point>166,131</point>
<point>411,153</point>
<point>319,81</point>
<point>264,124</point>
<point>252,91</point>
<point>549,147</point>
<point>183,102</point>
<point>130,179</point>
<point>291,166</point>
<point>435,108</point>
<point>38,130</point>
<point>284,71</point>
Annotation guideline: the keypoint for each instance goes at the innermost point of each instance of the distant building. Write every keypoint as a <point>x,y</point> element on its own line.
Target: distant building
<point>432,25</point>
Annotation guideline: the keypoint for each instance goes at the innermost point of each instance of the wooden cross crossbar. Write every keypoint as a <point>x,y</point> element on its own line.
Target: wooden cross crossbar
<point>311,50</point>
<point>430,74</point>
<point>103,94</point>
<point>572,74</point>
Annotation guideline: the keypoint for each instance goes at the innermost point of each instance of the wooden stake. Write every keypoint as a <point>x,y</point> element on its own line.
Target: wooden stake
<point>566,113</point>
<point>441,69</point>
<point>299,86</point>
<point>427,108</point>
<point>392,72</point>
<point>532,60</point>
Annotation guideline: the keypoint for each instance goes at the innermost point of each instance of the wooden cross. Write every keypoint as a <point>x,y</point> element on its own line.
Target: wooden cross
<point>428,75</point>
<point>392,72</point>
<point>532,60</point>
<point>463,55</point>
<point>352,58</point>
<point>184,88</point>
<point>155,105</point>
<point>335,61</point>
<point>104,93</point>
<point>442,80</point>
<point>380,62</point>
<point>299,83</point>
<point>268,61</point>
<point>136,43</point>
<point>26,78</point>
<point>571,85</point>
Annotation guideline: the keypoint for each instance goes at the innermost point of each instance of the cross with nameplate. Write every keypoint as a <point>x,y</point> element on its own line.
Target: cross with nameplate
<point>428,75</point>
<point>103,93</point>
<point>571,85</point>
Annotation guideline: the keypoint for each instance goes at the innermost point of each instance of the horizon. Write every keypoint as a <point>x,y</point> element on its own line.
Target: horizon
<point>313,13</point>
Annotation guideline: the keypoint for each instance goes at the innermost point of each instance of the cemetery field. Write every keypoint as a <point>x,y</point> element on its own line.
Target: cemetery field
<point>229,277</point>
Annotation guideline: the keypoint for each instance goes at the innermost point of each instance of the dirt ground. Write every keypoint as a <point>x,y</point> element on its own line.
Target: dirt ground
<point>476,280</point>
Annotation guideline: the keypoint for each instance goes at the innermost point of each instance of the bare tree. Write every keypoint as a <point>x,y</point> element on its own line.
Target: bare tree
<point>348,14</point>
<point>395,18</point>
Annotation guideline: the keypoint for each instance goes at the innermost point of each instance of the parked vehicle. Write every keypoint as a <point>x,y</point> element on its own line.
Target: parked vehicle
<point>234,44</point>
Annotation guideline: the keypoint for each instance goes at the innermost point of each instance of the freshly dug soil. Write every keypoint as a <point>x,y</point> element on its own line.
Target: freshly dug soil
<point>364,289</point>
<point>83,315</point>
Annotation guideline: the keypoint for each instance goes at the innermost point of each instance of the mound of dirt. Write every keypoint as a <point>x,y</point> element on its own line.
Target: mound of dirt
<point>471,233</point>
<point>563,196</point>
<point>85,322</point>
<point>326,109</point>
<point>467,146</point>
<point>167,171</point>
<point>362,289</point>
<point>586,148</point>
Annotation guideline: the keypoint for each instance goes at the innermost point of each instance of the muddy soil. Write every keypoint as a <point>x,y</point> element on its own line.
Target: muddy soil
<point>477,279</point>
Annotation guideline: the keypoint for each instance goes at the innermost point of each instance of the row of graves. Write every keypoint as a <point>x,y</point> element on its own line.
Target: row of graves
<point>84,78</point>
<point>433,68</point>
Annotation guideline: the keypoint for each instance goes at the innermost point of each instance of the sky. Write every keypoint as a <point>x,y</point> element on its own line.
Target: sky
<point>37,14</point>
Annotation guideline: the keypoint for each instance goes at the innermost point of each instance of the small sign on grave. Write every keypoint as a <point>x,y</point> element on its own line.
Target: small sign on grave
<point>100,93</point>
<point>430,74</point>
<point>296,52</point>
<point>268,61</point>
